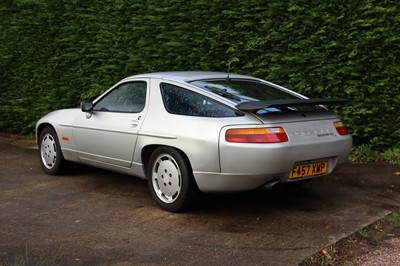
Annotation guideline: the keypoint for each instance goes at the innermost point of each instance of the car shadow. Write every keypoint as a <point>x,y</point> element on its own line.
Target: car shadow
<point>314,196</point>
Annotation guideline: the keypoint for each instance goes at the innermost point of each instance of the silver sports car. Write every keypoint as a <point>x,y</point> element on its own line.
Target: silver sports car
<point>191,132</point>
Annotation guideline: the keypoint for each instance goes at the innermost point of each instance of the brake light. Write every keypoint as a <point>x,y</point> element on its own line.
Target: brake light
<point>256,135</point>
<point>340,128</point>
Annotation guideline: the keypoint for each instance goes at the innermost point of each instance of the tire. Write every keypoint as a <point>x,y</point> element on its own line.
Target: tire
<point>51,157</point>
<point>170,180</point>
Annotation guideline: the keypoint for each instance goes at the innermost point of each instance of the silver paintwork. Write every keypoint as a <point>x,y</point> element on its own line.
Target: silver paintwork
<point>116,141</point>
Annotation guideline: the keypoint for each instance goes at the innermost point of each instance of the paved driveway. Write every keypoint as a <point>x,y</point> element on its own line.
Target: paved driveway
<point>91,216</point>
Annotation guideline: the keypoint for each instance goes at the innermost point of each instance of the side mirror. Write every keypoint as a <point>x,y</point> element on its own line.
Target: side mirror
<point>86,106</point>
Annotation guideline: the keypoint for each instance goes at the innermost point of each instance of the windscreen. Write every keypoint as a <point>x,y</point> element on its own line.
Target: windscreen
<point>239,91</point>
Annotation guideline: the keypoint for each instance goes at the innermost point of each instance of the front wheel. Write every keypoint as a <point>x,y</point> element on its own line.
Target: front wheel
<point>51,158</point>
<point>170,180</point>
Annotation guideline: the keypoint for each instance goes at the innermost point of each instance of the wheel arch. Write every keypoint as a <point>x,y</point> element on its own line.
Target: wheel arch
<point>149,149</point>
<point>40,128</point>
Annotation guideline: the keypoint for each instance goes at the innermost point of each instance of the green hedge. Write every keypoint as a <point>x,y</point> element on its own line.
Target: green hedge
<point>54,53</point>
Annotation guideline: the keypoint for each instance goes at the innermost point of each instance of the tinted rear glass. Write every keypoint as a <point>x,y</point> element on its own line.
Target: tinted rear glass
<point>184,102</point>
<point>239,90</point>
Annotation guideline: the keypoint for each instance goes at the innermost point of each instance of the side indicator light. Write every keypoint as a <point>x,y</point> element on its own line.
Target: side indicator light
<point>340,128</point>
<point>65,138</point>
<point>256,135</point>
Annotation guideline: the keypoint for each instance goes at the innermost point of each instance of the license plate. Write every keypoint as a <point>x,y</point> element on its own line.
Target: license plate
<point>309,169</point>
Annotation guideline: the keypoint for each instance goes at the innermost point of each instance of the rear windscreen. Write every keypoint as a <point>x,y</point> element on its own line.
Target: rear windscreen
<point>239,91</point>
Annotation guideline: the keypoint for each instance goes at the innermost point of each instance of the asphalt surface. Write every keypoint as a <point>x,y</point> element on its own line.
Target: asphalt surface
<point>94,217</point>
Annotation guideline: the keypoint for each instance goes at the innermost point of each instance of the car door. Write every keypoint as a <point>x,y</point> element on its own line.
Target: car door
<point>108,134</point>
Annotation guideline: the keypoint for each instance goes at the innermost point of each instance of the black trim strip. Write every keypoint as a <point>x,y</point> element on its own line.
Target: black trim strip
<point>253,106</point>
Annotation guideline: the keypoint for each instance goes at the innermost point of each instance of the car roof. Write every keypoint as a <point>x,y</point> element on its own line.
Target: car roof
<point>187,76</point>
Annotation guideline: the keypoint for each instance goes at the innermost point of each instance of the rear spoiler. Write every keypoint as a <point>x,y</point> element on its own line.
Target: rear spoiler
<point>254,106</point>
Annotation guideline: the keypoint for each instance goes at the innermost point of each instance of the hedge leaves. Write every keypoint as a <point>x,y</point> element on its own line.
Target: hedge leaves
<point>55,53</point>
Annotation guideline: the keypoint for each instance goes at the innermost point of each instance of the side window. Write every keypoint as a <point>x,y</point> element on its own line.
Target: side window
<point>128,98</point>
<point>184,102</point>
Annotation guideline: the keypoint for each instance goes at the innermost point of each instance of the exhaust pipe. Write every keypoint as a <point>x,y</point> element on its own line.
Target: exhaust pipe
<point>271,185</point>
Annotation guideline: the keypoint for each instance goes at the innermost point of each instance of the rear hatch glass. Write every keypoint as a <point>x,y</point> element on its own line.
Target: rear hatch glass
<point>241,91</point>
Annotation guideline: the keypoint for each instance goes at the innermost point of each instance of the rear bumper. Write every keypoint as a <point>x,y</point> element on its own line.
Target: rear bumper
<point>250,166</point>
<point>231,182</point>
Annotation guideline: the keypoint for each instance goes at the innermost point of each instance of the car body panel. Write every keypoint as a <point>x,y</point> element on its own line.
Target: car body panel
<point>88,133</point>
<point>197,137</point>
<point>118,140</point>
<point>62,122</point>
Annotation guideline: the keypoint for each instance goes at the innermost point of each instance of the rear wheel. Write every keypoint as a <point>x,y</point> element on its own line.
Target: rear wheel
<point>170,180</point>
<point>51,158</point>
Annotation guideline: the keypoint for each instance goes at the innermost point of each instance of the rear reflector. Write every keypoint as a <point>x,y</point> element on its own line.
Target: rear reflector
<point>256,135</point>
<point>340,128</point>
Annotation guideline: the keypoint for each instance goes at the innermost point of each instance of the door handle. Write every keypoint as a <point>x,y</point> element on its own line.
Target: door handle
<point>135,122</point>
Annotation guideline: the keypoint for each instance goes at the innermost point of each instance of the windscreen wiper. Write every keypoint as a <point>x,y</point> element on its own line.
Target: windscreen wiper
<point>258,105</point>
<point>223,93</point>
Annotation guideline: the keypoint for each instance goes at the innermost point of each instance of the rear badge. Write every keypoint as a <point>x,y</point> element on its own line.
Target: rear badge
<point>314,132</point>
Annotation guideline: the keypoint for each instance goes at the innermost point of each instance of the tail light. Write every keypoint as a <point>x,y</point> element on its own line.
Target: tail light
<point>256,135</point>
<point>340,128</point>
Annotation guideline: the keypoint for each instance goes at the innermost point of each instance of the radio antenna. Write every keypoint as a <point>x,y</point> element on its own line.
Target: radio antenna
<point>234,59</point>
